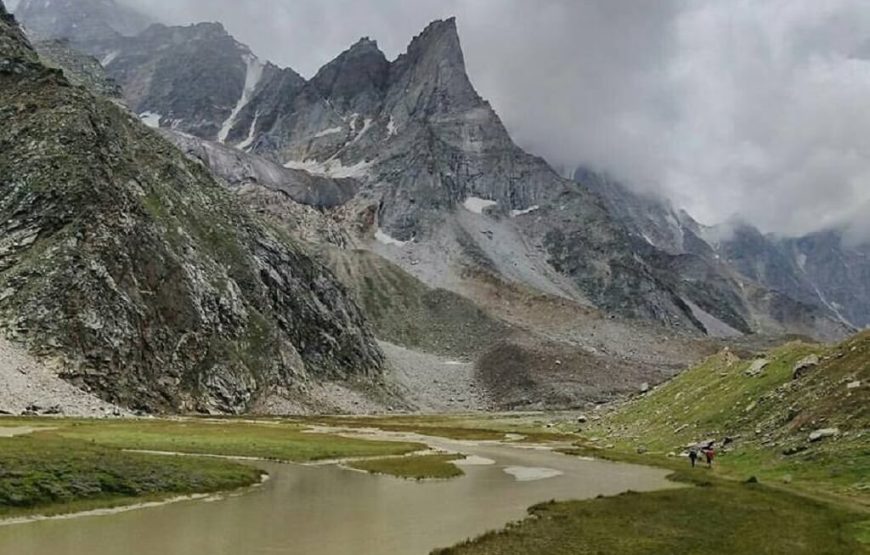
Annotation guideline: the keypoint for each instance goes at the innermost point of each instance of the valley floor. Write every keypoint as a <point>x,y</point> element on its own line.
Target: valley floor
<point>69,465</point>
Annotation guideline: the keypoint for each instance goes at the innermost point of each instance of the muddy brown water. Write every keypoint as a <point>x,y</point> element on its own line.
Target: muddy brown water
<point>330,510</point>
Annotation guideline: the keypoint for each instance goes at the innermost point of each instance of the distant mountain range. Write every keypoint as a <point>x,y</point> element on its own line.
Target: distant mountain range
<point>823,269</point>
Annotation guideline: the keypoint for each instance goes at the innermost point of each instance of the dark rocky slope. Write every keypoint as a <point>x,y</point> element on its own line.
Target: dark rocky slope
<point>137,270</point>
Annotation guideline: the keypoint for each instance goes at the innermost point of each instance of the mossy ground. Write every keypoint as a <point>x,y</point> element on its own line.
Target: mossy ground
<point>720,517</point>
<point>74,465</point>
<point>414,467</point>
<point>49,474</point>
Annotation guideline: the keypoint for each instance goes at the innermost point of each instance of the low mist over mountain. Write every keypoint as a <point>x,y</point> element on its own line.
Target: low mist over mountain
<point>399,176</point>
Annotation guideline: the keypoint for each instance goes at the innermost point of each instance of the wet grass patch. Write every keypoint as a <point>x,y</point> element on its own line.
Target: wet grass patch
<point>413,467</point>
<point>472,428</point>
<point>265,440</point>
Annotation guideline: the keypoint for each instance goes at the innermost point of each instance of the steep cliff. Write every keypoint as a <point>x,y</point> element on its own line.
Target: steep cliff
<point>139,272</point>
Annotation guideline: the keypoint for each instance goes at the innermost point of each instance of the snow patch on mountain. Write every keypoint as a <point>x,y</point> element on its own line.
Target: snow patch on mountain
<point>385,239</point>
<point>478,205</point>
<point>151,119</point>
<point>331,168</point>
<point>254,72</point>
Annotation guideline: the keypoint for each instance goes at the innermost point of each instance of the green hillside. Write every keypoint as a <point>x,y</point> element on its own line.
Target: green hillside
<point>769,414</point>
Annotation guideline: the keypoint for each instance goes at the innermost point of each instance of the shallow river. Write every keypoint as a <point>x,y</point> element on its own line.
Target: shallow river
<point>326,510</point>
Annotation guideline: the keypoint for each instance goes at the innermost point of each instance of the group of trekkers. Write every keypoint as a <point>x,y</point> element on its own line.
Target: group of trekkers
<point>707,450</point>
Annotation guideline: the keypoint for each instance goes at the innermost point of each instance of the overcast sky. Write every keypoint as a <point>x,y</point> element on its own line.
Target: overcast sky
<point>751,108</point>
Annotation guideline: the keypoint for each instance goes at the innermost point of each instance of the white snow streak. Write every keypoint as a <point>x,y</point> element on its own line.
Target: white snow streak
<point>330,131</point>
<point>250,139</point>
<point>478,205</point>
<point>529,210</point>
<point>802,261</point>
<point>392,129</point>
<point>252,78</point>
<point>366,126</point>
<point>109,58</point>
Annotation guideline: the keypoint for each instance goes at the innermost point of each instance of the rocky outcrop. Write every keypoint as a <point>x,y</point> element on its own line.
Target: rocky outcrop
<point>140,273</point>
<point>81,69</point>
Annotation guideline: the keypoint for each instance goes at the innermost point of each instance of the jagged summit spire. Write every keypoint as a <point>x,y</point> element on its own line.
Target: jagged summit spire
<point>440,38</point>
<point>433,68</point>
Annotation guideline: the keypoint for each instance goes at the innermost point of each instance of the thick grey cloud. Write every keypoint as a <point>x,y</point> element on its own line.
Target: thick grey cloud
<point>749,108</point>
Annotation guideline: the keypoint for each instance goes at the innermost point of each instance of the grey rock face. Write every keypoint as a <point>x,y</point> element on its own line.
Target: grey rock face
<point>140,272</point>
<point>356,81</point>
<point>239,169</point>
<point>289,119</point>
<point>187,78</point>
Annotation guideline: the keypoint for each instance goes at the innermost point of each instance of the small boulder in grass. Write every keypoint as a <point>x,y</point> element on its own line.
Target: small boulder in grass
<point>804,365</point>
<point>757,367</point>
<point>819,435</point>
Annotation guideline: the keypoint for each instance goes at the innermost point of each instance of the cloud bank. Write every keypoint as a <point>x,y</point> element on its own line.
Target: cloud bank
<point>750,108</point>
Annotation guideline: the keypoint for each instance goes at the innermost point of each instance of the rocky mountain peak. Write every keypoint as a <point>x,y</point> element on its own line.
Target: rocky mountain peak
<point>354,81</point>
<point>365,43</point>
<point>439,40</point>
<point>430,79</point>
